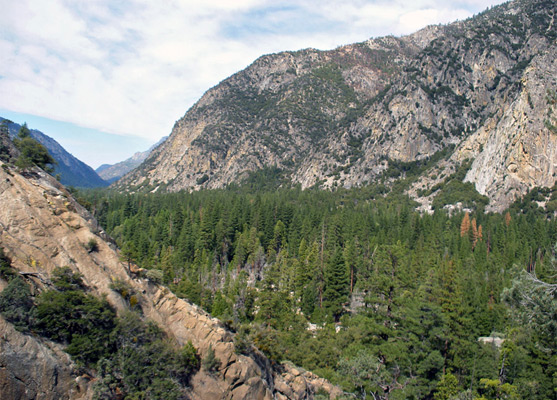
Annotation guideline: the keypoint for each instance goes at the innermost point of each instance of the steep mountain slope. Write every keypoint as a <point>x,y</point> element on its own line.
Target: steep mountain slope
<point>111,173</point>
<point>73,172</point>
<point>43,227</point>
<point>476,89</point>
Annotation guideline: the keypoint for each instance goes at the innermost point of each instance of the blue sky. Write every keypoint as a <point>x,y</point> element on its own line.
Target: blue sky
<point>108,78</point>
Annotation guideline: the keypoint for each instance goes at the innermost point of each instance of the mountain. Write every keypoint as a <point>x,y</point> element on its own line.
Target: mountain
<point>73,172</point>
<point>42,228</point>
<point>112,172</point>
<point>474,99</point>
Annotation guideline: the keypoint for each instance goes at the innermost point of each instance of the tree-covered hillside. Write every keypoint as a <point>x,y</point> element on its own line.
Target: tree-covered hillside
<point>361,289</point>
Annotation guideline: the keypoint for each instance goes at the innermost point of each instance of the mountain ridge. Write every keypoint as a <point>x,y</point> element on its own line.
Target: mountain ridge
<point>342,117</point>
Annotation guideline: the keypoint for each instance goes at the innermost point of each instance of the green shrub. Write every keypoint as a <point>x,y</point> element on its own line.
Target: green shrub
<point>92,245</point>
<point>122,288</point>
<point>187,360</point>
<point>155,276</point>
<point>210,363</point>
<point>64,279</point>
<point>267,340</point>
<point>81,321</point>
<point>6,271</point>
<point>202,180</point>
<point>242,342</point>
<point>16,304</point>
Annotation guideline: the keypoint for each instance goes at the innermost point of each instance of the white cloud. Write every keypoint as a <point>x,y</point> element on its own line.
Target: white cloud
<point>414,20</point>
<point>135,67</point>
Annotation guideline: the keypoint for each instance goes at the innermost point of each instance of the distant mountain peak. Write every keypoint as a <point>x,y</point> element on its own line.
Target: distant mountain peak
<point>113,172</point>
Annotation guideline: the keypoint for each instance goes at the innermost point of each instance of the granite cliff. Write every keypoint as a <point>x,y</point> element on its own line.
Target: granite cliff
<point>481,90</point>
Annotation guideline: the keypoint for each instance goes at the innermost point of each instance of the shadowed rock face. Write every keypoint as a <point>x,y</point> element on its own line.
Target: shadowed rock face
<point>34,369</point>
<point>43,227</point>
<point>337,117</point>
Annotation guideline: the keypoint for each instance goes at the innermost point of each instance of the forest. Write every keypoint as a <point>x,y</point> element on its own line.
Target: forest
<point>359,288</point>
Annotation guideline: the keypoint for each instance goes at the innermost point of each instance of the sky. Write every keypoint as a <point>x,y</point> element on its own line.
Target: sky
<point>107,78</point>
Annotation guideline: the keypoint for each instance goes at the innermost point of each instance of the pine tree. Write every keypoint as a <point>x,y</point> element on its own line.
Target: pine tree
<point>128,253</point>
<point>473,233</point>
<point>508,218</point>
<point>465,225</point>
<point>310,281</point>
<point>32,152</point>
<point>336,286</point>
<point>447,387</point>
<point>351,260</point>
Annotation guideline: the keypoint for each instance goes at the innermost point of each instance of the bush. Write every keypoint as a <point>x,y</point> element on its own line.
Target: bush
<point>202,180</point>
<point>16,304</point>
<point>137,372</point>
<point>187,360</point>
<point>6,271</point>
<point>65,279</point>
<point>155,276</point>
<point>210,363</point>
<point>242,342</point>
<point>127,293</point>
<point>122,288</point>
<point>92,245</point>
<point>81,321</point>
<point>267,340</point>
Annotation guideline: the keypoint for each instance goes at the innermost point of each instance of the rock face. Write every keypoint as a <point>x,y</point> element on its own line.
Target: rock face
<point>33,369</point>
<point>42,227</point>
<point>477,88</point>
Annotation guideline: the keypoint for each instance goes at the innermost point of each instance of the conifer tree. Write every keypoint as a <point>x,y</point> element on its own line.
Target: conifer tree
<point>310,284</point>
<point>336,286</point>
<point>32,152</point>
<point>465,225</point>
<point>473,233</point>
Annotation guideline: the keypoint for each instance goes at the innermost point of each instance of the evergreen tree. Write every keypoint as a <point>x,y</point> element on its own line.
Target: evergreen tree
<point>447,387</point>
<point>32,152</point>
<point>336,290</point>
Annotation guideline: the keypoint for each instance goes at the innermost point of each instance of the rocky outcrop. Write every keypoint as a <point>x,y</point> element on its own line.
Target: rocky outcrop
<point>519,151</point>
<point>296,383</point>
<point>42,227</point>
<point>476,89</point>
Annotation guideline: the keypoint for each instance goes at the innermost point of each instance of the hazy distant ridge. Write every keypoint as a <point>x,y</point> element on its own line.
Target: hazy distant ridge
<point>112,172</point>
<point>73,172</point>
